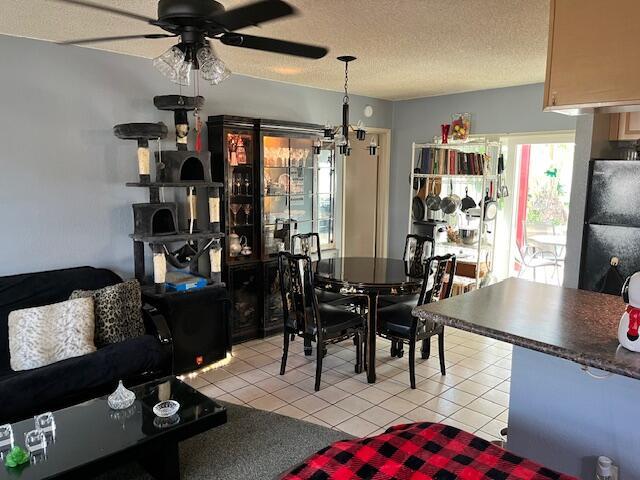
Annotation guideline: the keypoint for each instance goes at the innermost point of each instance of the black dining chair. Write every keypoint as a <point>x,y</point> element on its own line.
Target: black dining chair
<point>323,323</point>
<point>396,322</point>
<point>417,249</point>
<point>306,244</point>
<point>309,244</point>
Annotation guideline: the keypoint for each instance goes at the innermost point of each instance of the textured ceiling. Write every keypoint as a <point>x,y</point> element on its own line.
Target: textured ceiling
<point>405,48</point>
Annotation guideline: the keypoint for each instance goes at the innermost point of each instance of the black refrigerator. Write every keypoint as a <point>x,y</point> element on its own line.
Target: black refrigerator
<point>612,223</point>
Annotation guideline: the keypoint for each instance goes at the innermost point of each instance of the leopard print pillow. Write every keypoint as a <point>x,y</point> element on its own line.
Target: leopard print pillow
<point>40,336</point>
<point>118,312</point>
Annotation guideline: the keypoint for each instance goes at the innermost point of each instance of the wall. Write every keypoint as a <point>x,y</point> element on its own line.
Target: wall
<point>592,141</point>
<point>498,111</point>
<point>62,172</point>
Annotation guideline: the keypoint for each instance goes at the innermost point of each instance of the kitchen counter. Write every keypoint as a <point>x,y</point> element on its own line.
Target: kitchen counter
<point>559,414</point>
<point>576,325</point>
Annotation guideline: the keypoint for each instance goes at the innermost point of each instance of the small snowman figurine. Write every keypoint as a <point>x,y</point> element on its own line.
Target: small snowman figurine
<point>630,321</point>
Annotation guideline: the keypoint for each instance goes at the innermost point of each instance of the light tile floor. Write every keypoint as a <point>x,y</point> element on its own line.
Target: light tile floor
<point>474,395</point>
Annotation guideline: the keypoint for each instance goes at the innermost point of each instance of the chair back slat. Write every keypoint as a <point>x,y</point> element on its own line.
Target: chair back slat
<point>417,249</point>
<point>299,303</point>
<point>306,244</point>
<point>434,286</point>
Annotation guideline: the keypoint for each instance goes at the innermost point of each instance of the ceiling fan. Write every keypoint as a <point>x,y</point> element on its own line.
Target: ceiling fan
<point>197,21</point>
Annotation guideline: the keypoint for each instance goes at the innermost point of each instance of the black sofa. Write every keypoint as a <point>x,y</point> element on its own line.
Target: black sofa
<point>74,380</point>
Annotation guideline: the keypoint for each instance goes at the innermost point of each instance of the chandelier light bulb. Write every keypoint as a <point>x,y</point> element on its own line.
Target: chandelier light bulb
<point>328,130</point>
<point>341,142</point>
<point>317,145</point>
<point>373,147</point>
<point>361,133</point>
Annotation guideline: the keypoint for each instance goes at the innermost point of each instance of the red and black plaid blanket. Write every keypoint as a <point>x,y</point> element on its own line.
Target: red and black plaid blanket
<point>419,451</point>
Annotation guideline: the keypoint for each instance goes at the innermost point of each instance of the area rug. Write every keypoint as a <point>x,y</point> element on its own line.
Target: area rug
<point>253,444</point>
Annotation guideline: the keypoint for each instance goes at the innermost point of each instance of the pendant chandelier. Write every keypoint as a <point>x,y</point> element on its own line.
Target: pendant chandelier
<point>341,133</point>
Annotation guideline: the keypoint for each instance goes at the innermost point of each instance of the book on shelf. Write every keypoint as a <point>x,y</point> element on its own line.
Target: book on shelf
<point>442,161</point>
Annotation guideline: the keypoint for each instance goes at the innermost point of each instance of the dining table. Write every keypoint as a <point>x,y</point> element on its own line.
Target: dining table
<point>370,277</point>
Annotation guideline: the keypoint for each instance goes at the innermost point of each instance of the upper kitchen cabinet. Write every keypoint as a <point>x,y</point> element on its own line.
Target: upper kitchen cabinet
<point>592,60</point>
<point>625,126</point>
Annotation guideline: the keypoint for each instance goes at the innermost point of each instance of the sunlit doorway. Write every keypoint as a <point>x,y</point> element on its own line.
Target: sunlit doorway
<point>539,171</point>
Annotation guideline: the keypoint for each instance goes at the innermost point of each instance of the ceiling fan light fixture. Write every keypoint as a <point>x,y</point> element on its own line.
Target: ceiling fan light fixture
<point>212,68</point>
<point>173,66</point>
<point>184,74</point>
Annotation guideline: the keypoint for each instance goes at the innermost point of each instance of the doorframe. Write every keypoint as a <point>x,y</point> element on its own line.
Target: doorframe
<point>382,192</point>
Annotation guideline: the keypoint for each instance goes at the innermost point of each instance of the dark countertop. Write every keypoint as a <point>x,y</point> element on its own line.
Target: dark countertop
<point>577,325</point>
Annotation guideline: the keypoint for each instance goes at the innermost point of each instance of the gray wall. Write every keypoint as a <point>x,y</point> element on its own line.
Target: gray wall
<point>592,141</point>
<point>564,419</point>
<point>62,172</point>
<point>499,111</point>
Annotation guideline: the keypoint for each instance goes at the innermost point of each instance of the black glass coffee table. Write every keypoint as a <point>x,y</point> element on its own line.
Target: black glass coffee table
<point>91,438</point>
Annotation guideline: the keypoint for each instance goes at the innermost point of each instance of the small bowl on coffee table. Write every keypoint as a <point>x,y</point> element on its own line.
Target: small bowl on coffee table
<point>166,408</point>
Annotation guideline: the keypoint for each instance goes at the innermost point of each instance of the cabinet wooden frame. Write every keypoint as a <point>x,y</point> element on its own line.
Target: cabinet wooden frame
<point>588,64</point>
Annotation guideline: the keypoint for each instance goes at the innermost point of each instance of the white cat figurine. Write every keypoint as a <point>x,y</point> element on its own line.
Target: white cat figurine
<point>628,335</point>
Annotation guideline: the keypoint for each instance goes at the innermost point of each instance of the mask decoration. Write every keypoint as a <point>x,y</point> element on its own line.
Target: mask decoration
<point>628,335</point>
<point>182,129</point>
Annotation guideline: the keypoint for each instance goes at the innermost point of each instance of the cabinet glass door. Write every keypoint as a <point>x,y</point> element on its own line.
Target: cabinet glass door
<point>324,215</point>
<point>302,176</point>
<point>276,185</point>
<point>240,216</point>
<point>298,192</point>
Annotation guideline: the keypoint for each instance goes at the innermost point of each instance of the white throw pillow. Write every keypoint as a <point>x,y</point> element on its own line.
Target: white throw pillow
<point>41,336</point>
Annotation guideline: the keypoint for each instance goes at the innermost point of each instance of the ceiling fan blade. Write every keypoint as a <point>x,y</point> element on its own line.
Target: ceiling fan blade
<point>105,8</point>
<point>273,45</point>
<point>254,14</point>
<point>114,39</point>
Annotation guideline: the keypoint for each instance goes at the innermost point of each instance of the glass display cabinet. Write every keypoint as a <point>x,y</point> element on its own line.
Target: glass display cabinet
<point>277,183</point>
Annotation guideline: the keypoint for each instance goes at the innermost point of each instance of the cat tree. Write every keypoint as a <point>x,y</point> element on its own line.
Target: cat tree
<point>157,223</point>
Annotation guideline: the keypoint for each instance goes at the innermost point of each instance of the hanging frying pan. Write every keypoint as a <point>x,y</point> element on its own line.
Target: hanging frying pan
<point>417,182</point>
<point>490,207</point>
<point>418,207</point>
<point>433,200</point>
<point>467,202</point>
<point>451,202</point>
<point>503,190</point>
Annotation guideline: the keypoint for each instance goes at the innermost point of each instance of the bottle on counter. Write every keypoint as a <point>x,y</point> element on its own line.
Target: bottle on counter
<point>604,469</point>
